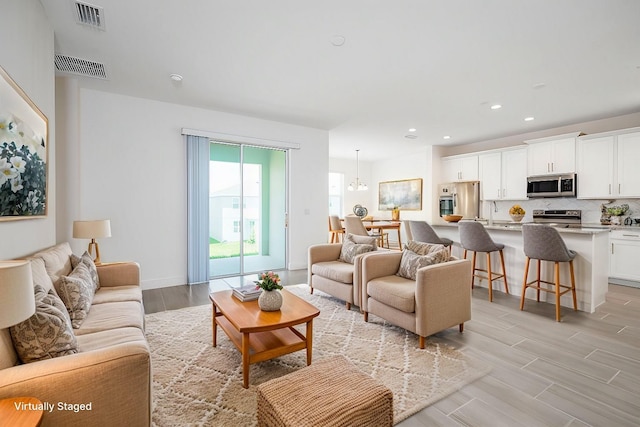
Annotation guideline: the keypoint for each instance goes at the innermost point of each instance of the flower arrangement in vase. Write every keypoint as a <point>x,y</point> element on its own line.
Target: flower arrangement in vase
<point>270,299</point>
<point>517,213</point>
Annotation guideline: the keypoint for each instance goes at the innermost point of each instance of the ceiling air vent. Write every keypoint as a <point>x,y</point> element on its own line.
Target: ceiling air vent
<point>82,67</point>
<point>90,15</point>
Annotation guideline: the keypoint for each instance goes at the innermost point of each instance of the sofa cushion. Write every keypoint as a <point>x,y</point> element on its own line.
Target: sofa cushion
<point>76,291</point>
<point>337,271</point>
<point>109,338</point>
<point>422,248</point>
<point>46,334</point>
<point>351,249</point>
<point>40,276</point>
<point>394,291</point>
<point>411,261</point>
<point>113,315</point>
<point>88,261</point>
<point>57,260</point>
<point>117,293</point>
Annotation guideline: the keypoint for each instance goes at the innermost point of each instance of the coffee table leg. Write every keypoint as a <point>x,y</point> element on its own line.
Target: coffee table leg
<point>214,324</point>
<point>309,338</point>
<point>245,360</point>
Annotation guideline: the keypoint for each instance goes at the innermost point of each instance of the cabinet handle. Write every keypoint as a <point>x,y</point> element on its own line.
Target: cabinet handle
<point>631,235</point>
<point>498,193</point>
<point>609,188</point>
<point>619,189</point>
<point>612,249</point>
<point>552,166</point>
<point>548,169</point>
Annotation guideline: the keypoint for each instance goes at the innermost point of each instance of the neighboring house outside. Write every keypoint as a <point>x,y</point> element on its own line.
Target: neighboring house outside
<point>224,213</point>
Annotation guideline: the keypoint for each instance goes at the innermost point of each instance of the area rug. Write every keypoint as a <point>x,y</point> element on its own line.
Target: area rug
<point>197,384</point>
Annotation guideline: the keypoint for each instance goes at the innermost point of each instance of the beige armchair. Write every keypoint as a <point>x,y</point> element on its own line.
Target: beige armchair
<point>333,275</point>
<point>438,299</point>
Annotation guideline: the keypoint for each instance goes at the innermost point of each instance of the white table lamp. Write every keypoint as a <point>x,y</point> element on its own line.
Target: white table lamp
<point>17,302</point>
<point>92,230</point>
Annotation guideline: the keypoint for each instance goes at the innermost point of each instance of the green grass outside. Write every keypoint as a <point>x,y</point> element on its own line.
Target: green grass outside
<point>219,250</point>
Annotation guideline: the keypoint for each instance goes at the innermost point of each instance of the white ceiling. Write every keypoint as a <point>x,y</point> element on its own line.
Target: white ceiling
<point>436,66</point>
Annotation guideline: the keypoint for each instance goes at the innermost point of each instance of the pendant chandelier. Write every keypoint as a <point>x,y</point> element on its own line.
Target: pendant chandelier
<point>357,185</point>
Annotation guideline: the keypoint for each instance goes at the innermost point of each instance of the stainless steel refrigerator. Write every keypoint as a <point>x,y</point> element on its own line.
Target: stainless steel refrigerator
<point>460,198</point>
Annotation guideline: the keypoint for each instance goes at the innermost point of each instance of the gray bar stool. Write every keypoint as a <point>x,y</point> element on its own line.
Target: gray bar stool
<point>421,231</point>
<point>544,243</point>
<point>474,237</point>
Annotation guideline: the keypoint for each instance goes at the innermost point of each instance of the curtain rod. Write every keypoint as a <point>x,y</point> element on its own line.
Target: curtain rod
<point>227,137</point>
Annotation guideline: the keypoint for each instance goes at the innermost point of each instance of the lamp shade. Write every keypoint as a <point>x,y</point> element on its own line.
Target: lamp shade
<point>92,229</point>
<point>17,301</point>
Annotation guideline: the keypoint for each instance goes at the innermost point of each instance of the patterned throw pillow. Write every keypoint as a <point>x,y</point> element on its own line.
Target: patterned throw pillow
<point>367,240</point>
<point>88,261</point>
<point>46,334</point>
<point>76,291</point>
<point>351,249</point>
<point>423,248</point>
<point>411,262</point>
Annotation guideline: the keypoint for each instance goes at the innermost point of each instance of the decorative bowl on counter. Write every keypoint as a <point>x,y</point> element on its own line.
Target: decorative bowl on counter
<point>452,218</point>
<point>516,218</point>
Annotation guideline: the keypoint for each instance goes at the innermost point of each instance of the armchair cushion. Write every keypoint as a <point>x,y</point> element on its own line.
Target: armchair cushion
<point>395,291</point>
<point>76,291</point>
<point>411,261</point>
<point>356,245</point>
<point>47,333</point>
<point>423,248</point>
<point>335,270</point>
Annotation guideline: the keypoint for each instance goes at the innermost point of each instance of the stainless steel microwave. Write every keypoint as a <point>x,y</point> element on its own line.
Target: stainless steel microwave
<point>552,185</point>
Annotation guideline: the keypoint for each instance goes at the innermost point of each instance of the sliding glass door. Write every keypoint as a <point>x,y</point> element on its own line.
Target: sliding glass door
<point>247,209</point>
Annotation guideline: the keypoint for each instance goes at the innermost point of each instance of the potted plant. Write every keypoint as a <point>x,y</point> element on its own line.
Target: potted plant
<point>270,299</point>
<point>616,212</point>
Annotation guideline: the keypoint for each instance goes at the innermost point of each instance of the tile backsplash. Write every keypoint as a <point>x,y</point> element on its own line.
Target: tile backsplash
<point>499,210</point>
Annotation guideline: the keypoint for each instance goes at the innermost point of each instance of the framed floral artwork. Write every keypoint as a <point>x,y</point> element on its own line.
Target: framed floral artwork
<point>405,195</point>
<point>23,154</point>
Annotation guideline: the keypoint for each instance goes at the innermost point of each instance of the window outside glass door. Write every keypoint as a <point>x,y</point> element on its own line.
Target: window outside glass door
<point>247,209</point>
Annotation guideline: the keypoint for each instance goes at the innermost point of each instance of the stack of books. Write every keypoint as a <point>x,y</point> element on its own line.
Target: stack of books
<point>247,292</point>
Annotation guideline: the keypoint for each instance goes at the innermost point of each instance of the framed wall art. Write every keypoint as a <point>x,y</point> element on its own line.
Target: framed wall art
<point>405,194</point>
<point>23,154</point>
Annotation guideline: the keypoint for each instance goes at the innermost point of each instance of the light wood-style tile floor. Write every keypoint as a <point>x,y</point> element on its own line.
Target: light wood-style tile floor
<point>583,371</point>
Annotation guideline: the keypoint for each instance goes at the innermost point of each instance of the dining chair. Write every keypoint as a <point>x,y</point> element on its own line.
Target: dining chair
<point>335,228</point>
<point>353,225</point>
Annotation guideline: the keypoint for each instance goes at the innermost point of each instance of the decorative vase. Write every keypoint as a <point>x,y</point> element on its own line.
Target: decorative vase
<point>270,300</point>
<point>395,214</point>
<point>516,218</point>
<point>616,220</point>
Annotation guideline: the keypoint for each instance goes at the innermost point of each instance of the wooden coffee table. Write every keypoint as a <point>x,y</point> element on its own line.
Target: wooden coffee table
<point>263,335</point>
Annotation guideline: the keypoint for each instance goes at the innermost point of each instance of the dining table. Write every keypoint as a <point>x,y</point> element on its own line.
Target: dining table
<point>383,224</point>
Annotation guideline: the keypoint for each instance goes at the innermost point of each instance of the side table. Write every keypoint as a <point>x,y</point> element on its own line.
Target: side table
<point>21,412</point>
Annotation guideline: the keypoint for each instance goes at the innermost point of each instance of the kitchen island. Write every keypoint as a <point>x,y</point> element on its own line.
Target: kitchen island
<point>591,263</point>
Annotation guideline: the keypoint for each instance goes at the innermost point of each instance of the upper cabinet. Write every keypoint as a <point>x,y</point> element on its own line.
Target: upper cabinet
<point>503,174</point>
<point>460,168</point>
<point>552,155</point>
<point>607,165</point>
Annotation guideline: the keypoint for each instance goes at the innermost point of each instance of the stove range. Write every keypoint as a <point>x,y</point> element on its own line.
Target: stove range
<point>559,218</point>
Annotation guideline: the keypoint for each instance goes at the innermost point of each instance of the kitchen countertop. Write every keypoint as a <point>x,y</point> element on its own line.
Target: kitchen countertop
<point>587,228</point>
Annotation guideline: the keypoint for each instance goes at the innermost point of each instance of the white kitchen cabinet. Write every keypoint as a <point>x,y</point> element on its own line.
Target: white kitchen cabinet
<point>607,165</point>
<point>460,168</point>
<point>553,155</point>
<point>627,169</point>
<point>624,254</point>
<point>503,175</point>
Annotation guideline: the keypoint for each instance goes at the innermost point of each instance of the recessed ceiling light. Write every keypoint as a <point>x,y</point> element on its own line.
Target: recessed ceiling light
<point>539,85</point>
<point>176,77</point>
<point>411,136</point>
<point>496,106</point>
<point>412,130</point>
<point>337,40</point>
<point>446,137</point>
<point>528,119</point>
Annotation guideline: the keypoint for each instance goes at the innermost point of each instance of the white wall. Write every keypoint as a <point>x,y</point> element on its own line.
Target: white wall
<point>27,56</point>
<point>126,161</point>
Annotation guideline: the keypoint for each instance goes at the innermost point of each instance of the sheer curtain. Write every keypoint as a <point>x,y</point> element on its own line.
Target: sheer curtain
<point>197,209</point>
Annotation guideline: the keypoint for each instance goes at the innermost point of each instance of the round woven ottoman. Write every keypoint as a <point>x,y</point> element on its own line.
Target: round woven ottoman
<point>332,392</point>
